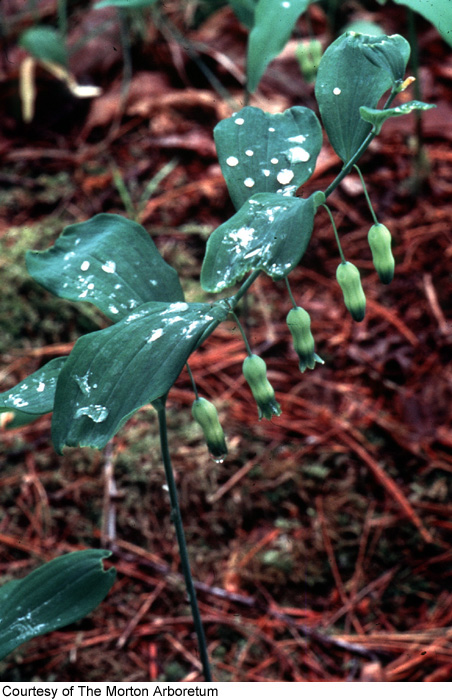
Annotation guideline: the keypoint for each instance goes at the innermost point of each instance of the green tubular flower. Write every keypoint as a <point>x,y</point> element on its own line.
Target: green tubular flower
<point>299,323</point>
<point>255,373</point>
<point>349,280</point>
<point>379,239</point>
<point>205,414</point>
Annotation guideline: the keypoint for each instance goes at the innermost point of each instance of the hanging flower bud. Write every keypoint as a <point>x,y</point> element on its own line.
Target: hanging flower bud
<point>379,239</point>
<point>205,414</point>
<point>349,280</point>
<point>255,372</point>
<point>299,323</point>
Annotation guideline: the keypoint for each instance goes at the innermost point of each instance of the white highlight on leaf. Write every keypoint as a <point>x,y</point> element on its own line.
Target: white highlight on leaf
<point>83,383</point>
<point>85,265</point>
<point>177,306</point>
<point>109,267</point>
<point>249,182</point>
<point>297,139</point>
<point>97,413</point>
<point>285,4</point>
<point>337,91</point>
<point>232,161</point>
<point>285,176</point>
<point>41,386</point>
<point>112,309</point>
<point>243,236</point>
<point>18,401</point>
<point>297,154</point>
<point>239,121</point>
<point>155,335</point>
<point>249,152</point>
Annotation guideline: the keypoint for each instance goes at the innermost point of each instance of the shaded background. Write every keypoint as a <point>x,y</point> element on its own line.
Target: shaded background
<point>322,545</point>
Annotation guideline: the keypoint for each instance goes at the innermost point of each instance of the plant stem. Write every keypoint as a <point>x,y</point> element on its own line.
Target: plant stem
<point>366,194</point>
<point>294,303</point>
<point>192,379</point>
<point>177,520</point>
<point>245,339</point>
<point>335,232</point>
<point>356,156</point>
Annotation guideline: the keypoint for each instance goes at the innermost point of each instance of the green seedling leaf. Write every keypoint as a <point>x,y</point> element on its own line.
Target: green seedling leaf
<point>274,21</point>
<point>390,54</point>
<point>113,372</point>
<point>438,12</point>
<point>244,11</point>
<point>33,397</point>
<point>45,44</point>
<point>348,80</point>
<point>270,233</point>
<point>262,152</point>
<point>377,117</point>
<point>54,595</point>
<point>109,261</point>
<point>125,4</point>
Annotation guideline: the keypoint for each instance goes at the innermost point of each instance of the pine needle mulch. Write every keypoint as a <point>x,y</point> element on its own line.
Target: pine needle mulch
<point>321,547</point>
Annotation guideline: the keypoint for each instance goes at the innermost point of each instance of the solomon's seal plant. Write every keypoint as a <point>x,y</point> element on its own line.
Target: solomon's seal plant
<point>379,239</point>
<point>112,262</point>
<point>299,323</point>
<point>206,415</point>
<point>347,274</point>
<point>255,373</point>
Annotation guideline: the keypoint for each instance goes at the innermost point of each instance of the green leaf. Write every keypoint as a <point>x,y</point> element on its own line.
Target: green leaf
<point>34,396</point>
<point>377,117</point>
<point>274,21</point>
<point>113,372</point>
<point>244,11</point>
<point>270,233</point>
<point>348,80</point>
<point>438,12</point>
<point>54,595</point>
<point>125,4</point>
<point>109,261</point>
<point>45,44</point>
<point>262,152</point>
<point>390,54</point>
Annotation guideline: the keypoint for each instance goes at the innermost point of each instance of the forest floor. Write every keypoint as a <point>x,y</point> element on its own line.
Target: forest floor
<point>321,546</point>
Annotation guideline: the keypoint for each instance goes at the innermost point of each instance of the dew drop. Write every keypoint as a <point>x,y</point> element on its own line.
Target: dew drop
<point>297,154</point>
<point>275,161</point>
<point>97,413</point>
<point>83,383</point>
<point>249,152</point>
<point>337,91</point>
<point>155,335</point>
<point>239,121</point>
<point>41,386</point>
<point>249,182</point>
<point>85,265</point>
<point>109,266</point>
<point>232,161</point>
<point>266,173</point>
<point>285,176</point>
<point>271,129</point>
